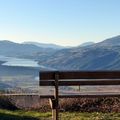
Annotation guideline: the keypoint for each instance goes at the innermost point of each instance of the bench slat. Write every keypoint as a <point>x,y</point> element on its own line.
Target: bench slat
<point>50,75</point>
<point>80,82</point>
<point>85,95</point>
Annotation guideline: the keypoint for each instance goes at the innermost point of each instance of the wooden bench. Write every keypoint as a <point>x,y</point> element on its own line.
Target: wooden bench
<point>77,78</point>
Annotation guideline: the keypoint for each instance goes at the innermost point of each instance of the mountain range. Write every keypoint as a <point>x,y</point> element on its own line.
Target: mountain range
<point>104,55</point>
<point>44,45</point>
<point>8,48</point>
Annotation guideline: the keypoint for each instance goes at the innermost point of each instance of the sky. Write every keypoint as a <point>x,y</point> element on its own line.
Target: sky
<point>63,22</point>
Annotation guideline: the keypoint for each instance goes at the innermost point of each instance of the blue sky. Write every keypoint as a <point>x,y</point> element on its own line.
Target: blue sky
<point>64,22</point>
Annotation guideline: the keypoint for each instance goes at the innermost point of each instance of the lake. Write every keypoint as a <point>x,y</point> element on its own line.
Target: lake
<point>12,61</point>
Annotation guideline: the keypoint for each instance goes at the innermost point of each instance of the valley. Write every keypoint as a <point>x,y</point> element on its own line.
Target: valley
<point>19,69</point>
<point>19,75</point>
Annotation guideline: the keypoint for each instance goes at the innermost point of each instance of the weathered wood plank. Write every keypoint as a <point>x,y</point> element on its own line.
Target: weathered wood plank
<point>50,75</point>
<point>80,82</point>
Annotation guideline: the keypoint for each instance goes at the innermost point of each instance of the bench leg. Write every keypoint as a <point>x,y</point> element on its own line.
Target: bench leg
<point>55,114</point>
<point>54,109</point>
<point>54,102</point>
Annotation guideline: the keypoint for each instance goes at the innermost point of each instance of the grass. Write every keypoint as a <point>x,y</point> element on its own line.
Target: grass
<point>23,115</point>
<point>90,116</point>
<point>33,115</point>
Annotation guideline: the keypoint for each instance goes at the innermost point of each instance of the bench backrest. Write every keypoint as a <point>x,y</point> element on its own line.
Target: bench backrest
<point>72,78</point>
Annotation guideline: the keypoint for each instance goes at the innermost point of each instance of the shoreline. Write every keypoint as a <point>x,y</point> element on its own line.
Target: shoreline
<point>1,62</point>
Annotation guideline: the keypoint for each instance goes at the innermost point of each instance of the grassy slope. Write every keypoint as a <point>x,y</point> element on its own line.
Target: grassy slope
<point>32,115</point>
<point>22,115</point>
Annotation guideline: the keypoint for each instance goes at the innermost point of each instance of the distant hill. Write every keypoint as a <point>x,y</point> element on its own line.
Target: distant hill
<point>43,45</point>
<point>86,44</point>
<point>104,55</point>
<point>8,48</point>
<point>114,41</point>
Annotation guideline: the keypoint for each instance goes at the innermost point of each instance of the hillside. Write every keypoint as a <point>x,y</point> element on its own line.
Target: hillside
<point>44,45</point>
<point>100,56</point>
<point>8,48</point>
<point>70,109</point>
<point>86,44</point>
<point>34,115</point>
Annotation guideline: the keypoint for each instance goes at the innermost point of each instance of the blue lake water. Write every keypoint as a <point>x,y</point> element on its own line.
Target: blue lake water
<point>11,61</point>
<point>20,62</point>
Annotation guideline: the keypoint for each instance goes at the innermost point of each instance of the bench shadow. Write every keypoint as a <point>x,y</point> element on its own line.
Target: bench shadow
<point>4,116</point>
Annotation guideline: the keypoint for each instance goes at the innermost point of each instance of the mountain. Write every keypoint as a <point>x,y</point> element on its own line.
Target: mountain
<point>86,44</point>
<point>43,45</point>
<point>104,55</point>
<point>114,41</point>
<point>8,48</point>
